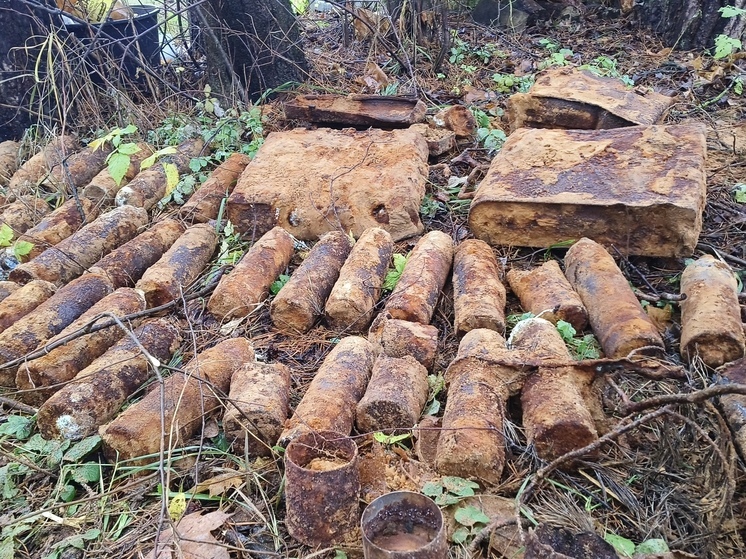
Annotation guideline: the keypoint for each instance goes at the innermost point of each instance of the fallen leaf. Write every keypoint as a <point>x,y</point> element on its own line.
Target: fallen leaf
<point>221,483</point>
<point>193,537</point>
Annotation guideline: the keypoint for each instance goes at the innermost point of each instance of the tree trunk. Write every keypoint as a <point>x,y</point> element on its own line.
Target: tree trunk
<point>23,28</point>
<point>252,45</point>
<point>690,24</point>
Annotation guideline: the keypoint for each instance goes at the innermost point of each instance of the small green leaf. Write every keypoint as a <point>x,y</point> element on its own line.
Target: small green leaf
<point>433,408</point>
<point>68,493</point>
<point>390,439</point>
<point>130,148</point>
<point>731,11</point>
<point>446,500</point>
<point>82,448</point>
<point>459,486</point>
<point>655,546</point>
<point>118,165</point>
<point>278,284</point>
<point>432,489</point>
<point>22,248</point>
<point>460,535</point>
<point>339,554</point>
<point>86,473</point>
<point>566,330</point>
<point>470,515</point>
<point>623,546</point>
<point>6,235</point>
<point>17,426</point>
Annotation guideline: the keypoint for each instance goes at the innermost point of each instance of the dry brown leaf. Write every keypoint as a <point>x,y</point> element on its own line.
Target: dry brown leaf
<point>660,317</point>
<point>220,484</point>
<point>193,538</point>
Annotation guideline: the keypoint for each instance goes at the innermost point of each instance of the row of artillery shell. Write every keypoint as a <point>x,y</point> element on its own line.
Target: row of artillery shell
<point>29,217</point>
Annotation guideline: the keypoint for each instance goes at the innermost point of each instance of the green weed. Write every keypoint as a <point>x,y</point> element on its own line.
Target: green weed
<point>394,273</point>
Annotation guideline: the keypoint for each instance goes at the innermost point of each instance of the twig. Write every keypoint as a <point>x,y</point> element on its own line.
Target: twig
<point>537,479</point>
<point>16,405</point>
<point>720,254</point>
<point>486,532</point>
<point>635,270</point>
<point>92,327</point>
<point>696,397</point>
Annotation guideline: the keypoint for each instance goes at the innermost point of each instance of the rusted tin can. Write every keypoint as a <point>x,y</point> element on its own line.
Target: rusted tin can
<point>322,488</point>
<point>403,525</point>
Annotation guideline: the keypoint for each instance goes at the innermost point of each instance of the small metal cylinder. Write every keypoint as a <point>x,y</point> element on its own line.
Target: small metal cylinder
<point>322,488</point>
<point>403,525</point>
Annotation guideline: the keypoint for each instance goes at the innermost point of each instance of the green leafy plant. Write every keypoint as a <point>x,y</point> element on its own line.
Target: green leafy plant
<point>627,548</point>
<point>739,192</point>
<point>513,319</point>
<point>471,520</point>
<point>278,284</point>
<point>20,248</point>
<point>393,275</point>
<point>724,44</point>
<point>391,439</point>
<point>607,67</point>
<point>231,246</point>
<point>449,490</point>
<point>585,347</point>
<point>436,384</point>
<point>510,83</point>
<point>491,138</point>
<point>119,159</point>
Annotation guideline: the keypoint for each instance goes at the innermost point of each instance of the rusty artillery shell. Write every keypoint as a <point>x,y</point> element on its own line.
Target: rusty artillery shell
<point>98,391</point>
<point>77,170</point>
<point>33,171</point>
<point>472,443</point>
<point>42,377</point>
<point>258,406</point>
<point>151,184</point>
<point>179,266</point>
<point>103,188</point>
<point>358,288</point>
<point>322,488</point>
<point>545,292</point>
<point>126,264</point>
<point>403,525</point>
<point>329,403</point>
<point>301,300</point>
<point>555,414</point>
<point>239,292</point>
<point>189,395</point>
<point>6,288</point>
<point>616,316</point>
<point>425,273</point>
<point>427,435</point>
<point>59,225</point>
<point>398,338</point>
<point>8,160</point>
<point>710,315</point>
<point>23,301</point>
<point>204,204</point>
<point>69,258</point>
<point>49,319</point>
<point>24,213</point>
<point>395,397</point>
<point>478,293</point>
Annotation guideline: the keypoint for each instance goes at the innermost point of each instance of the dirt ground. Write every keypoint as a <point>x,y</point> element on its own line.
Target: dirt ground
<point>677,476</point>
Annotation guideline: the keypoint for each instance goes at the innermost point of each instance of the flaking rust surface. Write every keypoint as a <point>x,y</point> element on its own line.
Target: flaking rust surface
<point>639,188</point>
<point>571,98</point>
<point>313,181</point>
